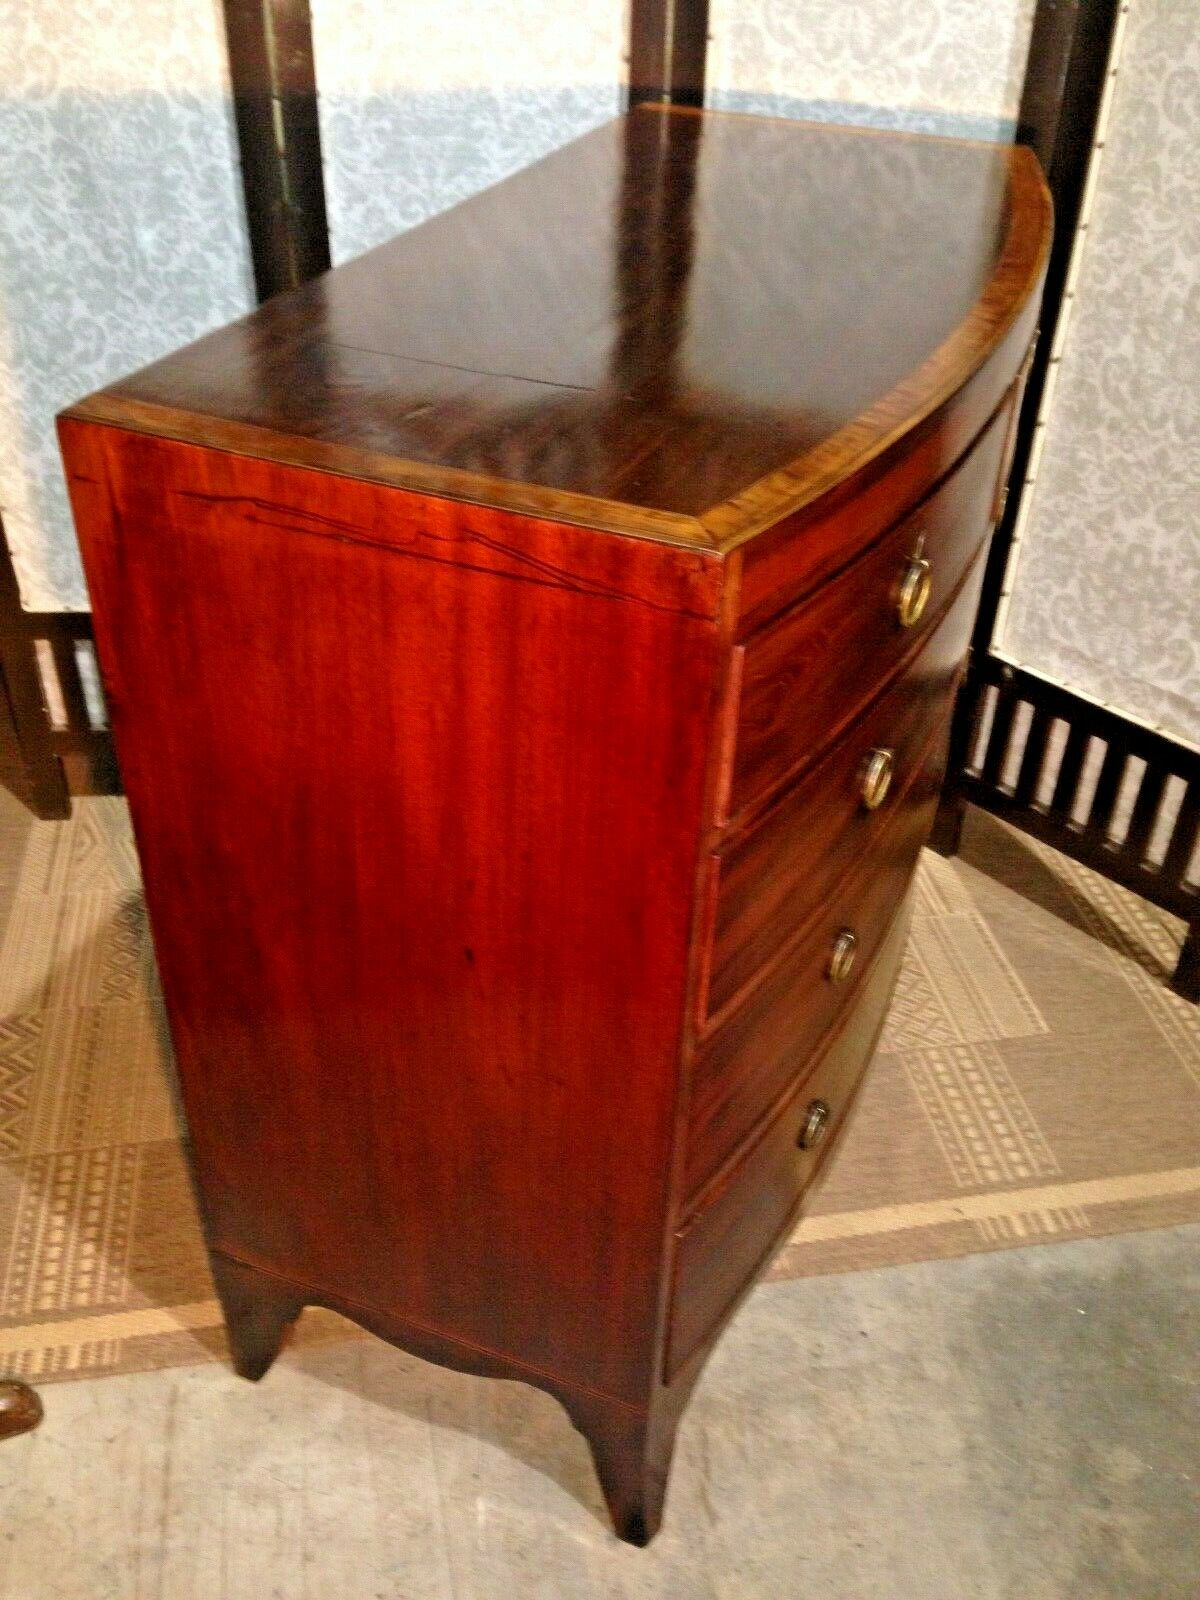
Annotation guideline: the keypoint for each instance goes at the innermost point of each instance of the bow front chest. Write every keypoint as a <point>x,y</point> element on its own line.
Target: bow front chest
<point>530,649</point>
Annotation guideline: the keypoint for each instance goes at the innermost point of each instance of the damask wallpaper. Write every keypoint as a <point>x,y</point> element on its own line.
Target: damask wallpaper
<point>422,105</point>
<point>1106,587</point>
<point>955,66</point>
<point>121,230</point>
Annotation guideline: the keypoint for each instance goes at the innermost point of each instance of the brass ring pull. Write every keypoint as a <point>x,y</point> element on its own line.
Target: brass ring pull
<point>815,1125</point>
<point>913,594</point>
<point>876,778</point>
<point>843,955</point>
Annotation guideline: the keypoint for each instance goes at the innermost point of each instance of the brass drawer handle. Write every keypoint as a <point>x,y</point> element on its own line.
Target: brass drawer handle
<point>876,778</point>
<point>842,956</point>
<point>815,1125</point>
<point>913,595</point>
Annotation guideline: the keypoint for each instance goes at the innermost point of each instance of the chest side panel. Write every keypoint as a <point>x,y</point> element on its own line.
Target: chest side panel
<point>417,790</point>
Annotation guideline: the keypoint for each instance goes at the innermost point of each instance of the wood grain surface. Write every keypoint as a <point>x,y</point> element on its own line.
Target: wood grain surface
<point>771,875</point>
<point>742,1217</point>
<point>683,326</point>
<point>763,1042</point>
<point>804,677</point>
<point>399,811</point>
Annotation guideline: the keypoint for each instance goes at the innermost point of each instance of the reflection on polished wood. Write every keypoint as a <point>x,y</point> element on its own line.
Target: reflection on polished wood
<point>682,326</point>
<point>524,924</point>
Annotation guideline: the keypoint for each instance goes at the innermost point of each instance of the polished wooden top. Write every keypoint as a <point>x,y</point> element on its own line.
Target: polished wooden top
<point>683,325</point>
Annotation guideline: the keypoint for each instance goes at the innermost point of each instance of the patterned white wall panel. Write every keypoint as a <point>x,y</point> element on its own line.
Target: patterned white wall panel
<point>954,66</point>
<point>121,230</point>
<point>422,105</point>
<point>1106,578</point>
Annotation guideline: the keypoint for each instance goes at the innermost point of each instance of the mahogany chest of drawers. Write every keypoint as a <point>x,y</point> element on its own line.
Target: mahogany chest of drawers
<point>530,649</point>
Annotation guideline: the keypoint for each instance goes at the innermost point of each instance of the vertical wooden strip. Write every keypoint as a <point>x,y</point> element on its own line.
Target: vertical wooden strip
<point>275,107</point>
<point>689,52</point>
<point>984,716</point>
<point>1145,811</point>
<point>1184,835</point>
<point>1033,755</point>
<point>668,49</point>
<point>649,31</point>
<point>43,784</point>
<point>997,748</point>
<point>945,836</point>
<point>296,78</point>
<point>1065,74</point>
<point>1108,786</point>
<point>1055,24</point>
<point>62,648</point>
<point>1067,783</point>
<point>964,731</point>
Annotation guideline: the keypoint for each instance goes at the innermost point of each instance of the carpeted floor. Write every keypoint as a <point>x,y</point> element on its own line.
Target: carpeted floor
<point>1036,1081</point>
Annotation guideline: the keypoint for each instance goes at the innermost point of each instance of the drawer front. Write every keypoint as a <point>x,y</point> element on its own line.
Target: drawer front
<point>771,880</point>
<point>719,1251</point>
<point>799,553</point>
<point>804,677</point>
<point>740,1072</point>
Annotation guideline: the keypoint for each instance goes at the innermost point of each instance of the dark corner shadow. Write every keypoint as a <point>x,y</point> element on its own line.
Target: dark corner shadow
<point>1010,859</point>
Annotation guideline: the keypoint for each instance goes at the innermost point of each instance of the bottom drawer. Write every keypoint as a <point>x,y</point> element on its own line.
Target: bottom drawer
<point>720,1250</point>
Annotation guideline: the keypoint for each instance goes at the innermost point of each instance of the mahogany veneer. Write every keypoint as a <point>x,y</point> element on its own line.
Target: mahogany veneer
<point>504,636</point>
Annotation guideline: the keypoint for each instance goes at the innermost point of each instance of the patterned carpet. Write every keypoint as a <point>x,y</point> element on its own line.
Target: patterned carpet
<point>1036,1081</point>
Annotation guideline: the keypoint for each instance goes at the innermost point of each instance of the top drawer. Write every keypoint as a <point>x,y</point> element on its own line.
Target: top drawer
<point>804,676</point>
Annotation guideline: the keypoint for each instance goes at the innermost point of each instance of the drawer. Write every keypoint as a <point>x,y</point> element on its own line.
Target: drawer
<point>721,1248</point>
<point>741,1070</point>
<point>801,552</point>
<point>804,677</point>
<point>770,880</point>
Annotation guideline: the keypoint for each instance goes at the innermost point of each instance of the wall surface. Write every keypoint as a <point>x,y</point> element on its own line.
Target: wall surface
<point>1106,586</point>
<point>951,67</point>
<point>422,105</point>
<point>122,232</point>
